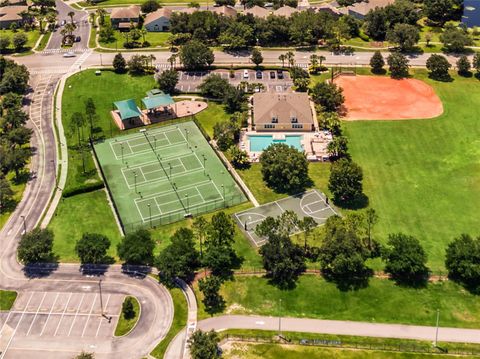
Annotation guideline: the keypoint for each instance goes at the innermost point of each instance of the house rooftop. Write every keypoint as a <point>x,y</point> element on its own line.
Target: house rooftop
<point>258,11</point>
<point>131,12</point>
<point>285,11</point>
<point>225,11</point>
<point>282,108</point>
<point>363,8</point>
<point>163,12</point>
<point>12,13</point>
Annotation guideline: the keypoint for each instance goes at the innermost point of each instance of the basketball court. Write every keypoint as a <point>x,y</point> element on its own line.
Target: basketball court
<point>384,98</point>
<point>165,174</point>
<point>308,204</point>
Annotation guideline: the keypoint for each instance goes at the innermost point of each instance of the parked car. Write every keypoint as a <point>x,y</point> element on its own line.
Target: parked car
<point>259,74</point>
<point>69,54</point>
<point>280,74</point>
<point>272,75</point>
<point>63,22</point>
<point>245,74</point>
<point>78,39</point>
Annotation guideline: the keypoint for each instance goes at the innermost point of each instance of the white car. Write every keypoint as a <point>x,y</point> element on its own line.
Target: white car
<point>69,54</point>
<point>245,74</point>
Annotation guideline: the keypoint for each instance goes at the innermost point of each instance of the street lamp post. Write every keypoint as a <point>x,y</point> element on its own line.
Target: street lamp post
<point>155,142</point>
<point>280,319</point>
<point>186,195</point>
<point>204,163</point>
<point>436,331</point>
<point>24,224</point>
<point>223,190</point>
<point>170,166</point>
<point>121,146</point>
<point>150,214</point>
<point>135,179</point>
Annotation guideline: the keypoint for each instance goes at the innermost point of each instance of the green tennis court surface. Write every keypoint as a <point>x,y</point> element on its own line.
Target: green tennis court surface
<point>161,175</point>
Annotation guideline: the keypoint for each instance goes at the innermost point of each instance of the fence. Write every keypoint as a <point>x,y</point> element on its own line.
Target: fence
<point>347,343</point>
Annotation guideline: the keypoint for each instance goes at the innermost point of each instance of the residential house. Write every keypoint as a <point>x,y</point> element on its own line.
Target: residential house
<point>258,11</point>
<point>225,11</point>
<point>10,15</point>
<point>361,9</point>
<point>158,20</point>
<point>122,17</point>
<point>285,11</point>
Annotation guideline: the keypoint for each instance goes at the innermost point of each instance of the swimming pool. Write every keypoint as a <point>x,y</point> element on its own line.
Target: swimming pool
<point>259,142</point>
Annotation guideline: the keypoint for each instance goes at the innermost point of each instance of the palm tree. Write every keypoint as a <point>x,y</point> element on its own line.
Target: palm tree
<point>127,36</point>
<point>291,58</point>
<point>101,13</point>
<point>51,19</point>
<point>282,58</point>
<point>314,62</point>
<point>77,121</point>
<point>321,58</point>
<point>92,18</point>
<point>152,59</point>
<point>173,60</point>
<point>70,28</point>
<point>144,33</point>
<point>71,14</point>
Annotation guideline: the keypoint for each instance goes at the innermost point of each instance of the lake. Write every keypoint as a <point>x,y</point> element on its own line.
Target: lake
<point>471,13</point>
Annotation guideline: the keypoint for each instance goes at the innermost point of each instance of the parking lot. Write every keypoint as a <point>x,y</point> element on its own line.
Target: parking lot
<point>60,315</point>
<point>189,81</point>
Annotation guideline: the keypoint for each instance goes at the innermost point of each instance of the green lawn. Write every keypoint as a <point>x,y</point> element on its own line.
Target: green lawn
<point>7,298</point>
<point>18,189</point>
<point>273,351</point>
<point>180,316</point>
<point>88,212</point>
<point>44,41</point>
<point>423,176</point>
<point>214,113</point>
<point>31,35</point>
<point>129,2</point>
<point>381,302</point>
<point>124,326</point>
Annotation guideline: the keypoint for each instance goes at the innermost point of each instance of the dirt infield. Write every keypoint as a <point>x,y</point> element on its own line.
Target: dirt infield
<point>383,98</point>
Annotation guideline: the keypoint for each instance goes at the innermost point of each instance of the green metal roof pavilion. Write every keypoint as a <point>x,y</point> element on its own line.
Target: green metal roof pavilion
<point>157,101</point>
<point>128,109</point>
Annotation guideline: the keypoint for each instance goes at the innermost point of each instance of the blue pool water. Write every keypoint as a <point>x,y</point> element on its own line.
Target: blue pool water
<point>471,13</point>
<point>259,142</point>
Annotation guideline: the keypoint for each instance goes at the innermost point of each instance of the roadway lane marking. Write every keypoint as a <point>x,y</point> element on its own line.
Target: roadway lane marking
<point>35,317</point>
<point>61,318</point>
<point>75,317</point>
<point>260,322</point>
<point>49,314</point>
<point>89,315</point>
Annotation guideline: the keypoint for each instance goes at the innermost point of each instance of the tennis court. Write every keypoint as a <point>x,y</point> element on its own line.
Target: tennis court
<point>311,203</point>
<point>159,176</point>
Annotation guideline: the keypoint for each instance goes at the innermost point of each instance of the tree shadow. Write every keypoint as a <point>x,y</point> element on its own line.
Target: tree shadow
<point>136,271</point>
<point>468,74</point>
<point>380,72</point>
<point>351,282</point>
<point>40,270</point>
<point>477,75</point>
<point>97,269</point>
<point>417,282</point>
<point>440,78</point>
<point>359,202</point>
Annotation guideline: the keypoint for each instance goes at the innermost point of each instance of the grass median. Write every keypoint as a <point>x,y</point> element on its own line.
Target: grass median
<point>7,298</point>
<point>125,326</point>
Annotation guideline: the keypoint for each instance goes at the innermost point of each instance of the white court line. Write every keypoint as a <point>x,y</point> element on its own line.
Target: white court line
<point>50,313</point>
<point>89,315</point>
<point>64,310</point>
<point>217,190</point>
<point>158,206</point>
<point>203,199</point>
<point>16,327</point>
<point>133,154</point>
<point>279,206</point>
<point>101,318</point>
<point>158,194</point>
<point>36,313</point>
<point>75,317</point>
<point>198,159</point>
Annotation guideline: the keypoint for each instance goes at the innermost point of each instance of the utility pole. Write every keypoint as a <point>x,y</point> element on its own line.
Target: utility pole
<point>436,331</point>
<point>280,319</point>
<point>24,224</point>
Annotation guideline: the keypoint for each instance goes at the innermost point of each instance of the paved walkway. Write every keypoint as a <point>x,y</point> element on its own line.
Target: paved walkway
<point>339,327</point>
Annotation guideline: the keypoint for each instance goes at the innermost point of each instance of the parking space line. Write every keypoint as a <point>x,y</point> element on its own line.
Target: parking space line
<point>89,314</point>
<point>75,317</point>
<point>63,314</point>
<point>35,317</point>
<point>50,313</point>
<point>101,319</point>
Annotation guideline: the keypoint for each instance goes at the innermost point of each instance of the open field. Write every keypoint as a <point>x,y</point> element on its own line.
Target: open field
<point>18,189</point>
<point>162,175</point>
<point>31,35</point>
<point>423,177</point>
<point>381,302</point>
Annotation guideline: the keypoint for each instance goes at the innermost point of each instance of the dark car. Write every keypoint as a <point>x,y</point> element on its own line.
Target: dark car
<point>280,74</point>
<point>272,74</point>
<point>78,39</point>
<point>259,75</point>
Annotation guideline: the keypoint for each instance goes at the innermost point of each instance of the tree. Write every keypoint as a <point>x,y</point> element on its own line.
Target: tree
<point>297,72</point>
<point>71,14</point>
<point>345,181</point>
<point>463,66</point>
<point>342,255</point>
<point>462,261</point>
<point>238,157</point>
<point>371,219</point>
<point>226,133</point>
<point>196,55</point>
<point>455,39</point>
<point>92,248</point>
<point>438,66</point>
<point>225,2</point>
<point>19,40</point>
<point>301,84</point>
<point>200,228</point>
<point>179,258</point>
<point>35,246</point>
<point>282,58</point>
<point>284,168</point>
<point>214,86</point>
<point>204,345</point>
<point>234,99</point>
<point>397,65</point>
<point>167,81</point>
<point>77,121</point>
<point>150,6</point>
<point>237,35</point>
<point>85,355</point>
<point>476,62</point>
<point>15,78</point>
<point>406,260</point>
<point>306,225</point>
<point>328,95</point>
<point>256,57</point>
<point>377,62</point>
<point>4,43</point>
<point>6,192</point>
<point>137,248</point>
<point>283,260</point>
<point>438,11</point>
<point>106,33</point>
<point>376,24</point>
<point>404,35</point>
<point>119,63</point>
<point>210,287</point>
<point>128,310</point>
<point>338,148</point>
<point>91,112</point>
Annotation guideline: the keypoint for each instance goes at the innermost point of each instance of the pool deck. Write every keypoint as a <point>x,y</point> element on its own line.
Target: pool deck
<point>314,143</point>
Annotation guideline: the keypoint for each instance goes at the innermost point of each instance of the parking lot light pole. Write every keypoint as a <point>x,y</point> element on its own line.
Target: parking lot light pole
<point>436,331</point>
<point>223,190</point>
<point>186,195</point>
<point>135,179</point>
<point>280,319</point>
<point>204,163</point>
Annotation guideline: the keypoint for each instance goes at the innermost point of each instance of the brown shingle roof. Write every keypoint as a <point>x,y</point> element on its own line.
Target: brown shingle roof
<point>364,7</point>
<point>281,106</point>
<point>12,13</point>
<point>225,11</point>
<point>286,11</point>
<point>258,11</point>
<point>131,12</point>
<point>163,12</point>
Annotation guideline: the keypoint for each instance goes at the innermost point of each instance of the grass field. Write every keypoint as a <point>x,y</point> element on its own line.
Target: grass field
<point>87,212</point>
<point>158,177</point>
<point>44,41</point>
<point>267,351</point>
<point>124,326</point>
<point>7,298</point>
<point>18,189</point>
<point>31,35</point>
<point>423,176</point>
<point>381,302</point>
<point>180,315</point>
